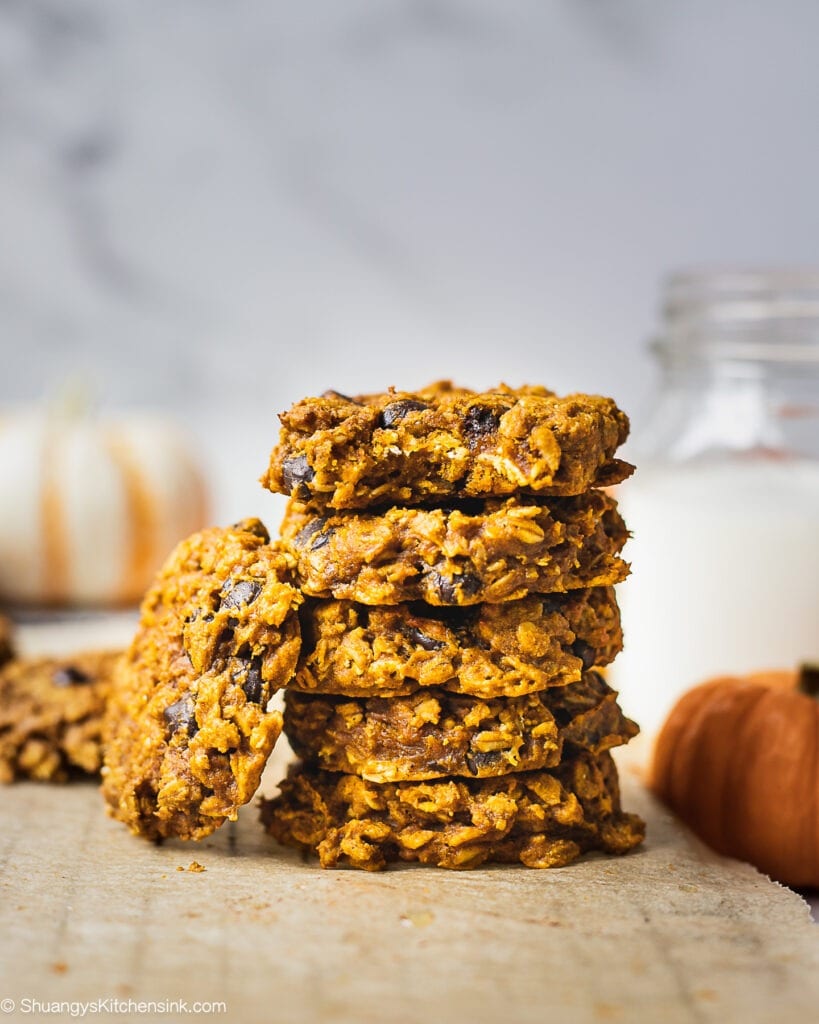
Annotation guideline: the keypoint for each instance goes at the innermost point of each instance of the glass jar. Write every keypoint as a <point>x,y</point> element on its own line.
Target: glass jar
<point>724,507</point>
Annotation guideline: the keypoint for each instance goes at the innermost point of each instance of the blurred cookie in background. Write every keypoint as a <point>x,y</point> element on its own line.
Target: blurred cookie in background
<point>51,715</point>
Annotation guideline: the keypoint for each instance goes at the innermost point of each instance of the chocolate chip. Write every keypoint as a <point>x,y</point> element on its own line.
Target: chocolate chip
<point>252,526</point>
<point>296,474</point>
<point>331,393</point>
<point>586,653</point>
<point>309,633</point>
<point>254,684</point>
<point>480,421</point>
<point>444,586</point>
<point>449,587</point>
<point>420,638</point>
<point>322,539</point>
<point>240,594</point>
<point>315,526</point>
<point>396,411</point>
<point>478,759</point>
<point>181,716</point>
<point>308,531</point>
<point>70,675</point>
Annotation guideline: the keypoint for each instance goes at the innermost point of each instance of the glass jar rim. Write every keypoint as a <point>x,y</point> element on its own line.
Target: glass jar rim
<point>742,313</point>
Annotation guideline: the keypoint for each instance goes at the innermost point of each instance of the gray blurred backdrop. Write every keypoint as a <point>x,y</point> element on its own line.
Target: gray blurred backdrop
<point>218,207</point>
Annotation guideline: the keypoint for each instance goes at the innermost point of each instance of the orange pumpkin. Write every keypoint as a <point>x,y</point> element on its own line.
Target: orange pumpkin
<point>738,761</point>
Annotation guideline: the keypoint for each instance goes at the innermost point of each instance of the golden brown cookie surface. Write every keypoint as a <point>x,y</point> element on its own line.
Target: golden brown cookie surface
<point>51,716</point>
<point>541,819</point>
<point>445,442</point>
<point>432,733</point>
<point>486,650</point>
<point>492,551</point>
<point>187,731</point>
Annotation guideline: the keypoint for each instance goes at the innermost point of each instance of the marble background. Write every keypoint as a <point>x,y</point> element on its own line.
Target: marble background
<point>217,207</point>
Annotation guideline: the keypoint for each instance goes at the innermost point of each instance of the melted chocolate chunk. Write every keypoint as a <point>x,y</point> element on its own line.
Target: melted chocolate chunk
<point>470,585</point>
<point>396,411</point>
<point>307,622</point>
<point>313,528</point>
<point>181,717</point>
<point>70,675</point>
<point>296,474</point>
<point>254,527</point>
<point>421,639</point>
<point>240,594</point>
<point>480,421</point>
<point>322,539</point>
<point>332,393</point>
<point>586,653</point>
<point>445,587</point>
<point>448,588</point>
<point>254,684</point>
<point>478,759</point>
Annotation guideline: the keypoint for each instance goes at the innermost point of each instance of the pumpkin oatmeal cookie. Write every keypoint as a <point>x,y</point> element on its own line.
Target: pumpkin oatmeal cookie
<point>486,650</point>
<point>541,819</point>
<point>492,551</point>
<point>51,715</point>
<point>433,733</point>
<point>445,442</point>
<point>188,732</point>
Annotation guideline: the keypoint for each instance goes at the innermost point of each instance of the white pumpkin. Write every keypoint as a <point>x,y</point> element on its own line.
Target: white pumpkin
<point>89,509</point>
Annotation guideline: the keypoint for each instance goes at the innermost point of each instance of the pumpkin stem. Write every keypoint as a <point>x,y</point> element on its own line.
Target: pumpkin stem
<point>809,680</point>
<point>73,400</point>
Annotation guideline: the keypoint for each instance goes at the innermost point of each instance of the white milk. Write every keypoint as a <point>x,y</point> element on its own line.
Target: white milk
<point>725,576</point>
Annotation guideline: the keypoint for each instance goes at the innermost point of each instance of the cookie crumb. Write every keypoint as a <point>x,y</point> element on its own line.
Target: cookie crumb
<point>417,919</point>
<point>196,867</point>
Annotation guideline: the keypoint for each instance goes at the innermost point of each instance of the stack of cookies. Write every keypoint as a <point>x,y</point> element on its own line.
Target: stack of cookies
<point>457,553</point>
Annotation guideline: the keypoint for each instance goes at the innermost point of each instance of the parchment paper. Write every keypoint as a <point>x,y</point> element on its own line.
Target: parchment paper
<point>670,933</point>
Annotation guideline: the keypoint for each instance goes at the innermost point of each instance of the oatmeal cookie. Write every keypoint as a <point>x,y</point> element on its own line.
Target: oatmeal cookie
<point>432,733</point>
<point>486,650</point>
<point>51,714</point>
<point>491,551</point>
<point>187,730</point>
<point>541,819</point>
<point>446,442</point>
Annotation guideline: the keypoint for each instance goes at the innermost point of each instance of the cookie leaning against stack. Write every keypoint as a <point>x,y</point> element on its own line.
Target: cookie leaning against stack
<point>458,563</point>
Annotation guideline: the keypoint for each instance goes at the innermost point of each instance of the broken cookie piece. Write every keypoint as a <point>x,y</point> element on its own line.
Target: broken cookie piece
<point>188,732</point>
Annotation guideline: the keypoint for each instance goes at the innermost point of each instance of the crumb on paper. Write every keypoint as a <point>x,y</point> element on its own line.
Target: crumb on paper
<point>417,919</point>
<point>196,867</point>
<point>60,967</point>
<point>607,1011</point>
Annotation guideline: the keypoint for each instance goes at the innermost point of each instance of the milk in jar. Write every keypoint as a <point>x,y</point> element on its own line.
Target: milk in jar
<point>724,507</point>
